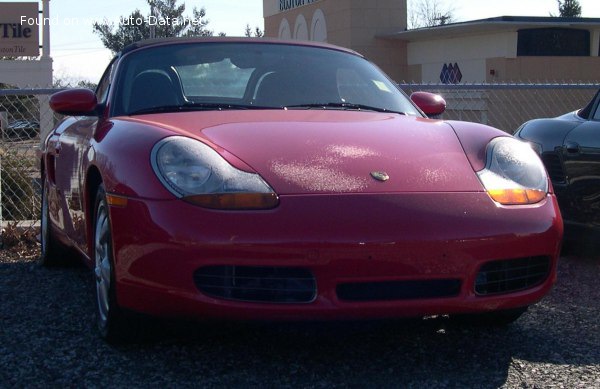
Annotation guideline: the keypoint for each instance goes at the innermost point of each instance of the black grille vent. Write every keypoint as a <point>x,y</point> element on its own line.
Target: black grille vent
<point>554,166</point>
<point>398,290</point>
<point>512,275</point>
<point>257,284</point>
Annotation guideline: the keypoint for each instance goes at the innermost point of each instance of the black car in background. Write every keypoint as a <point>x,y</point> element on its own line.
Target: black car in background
<point>570,149</point>
<point>21,130</point>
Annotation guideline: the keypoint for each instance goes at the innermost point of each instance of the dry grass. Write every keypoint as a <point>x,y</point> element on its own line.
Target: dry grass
<point>19,243</point>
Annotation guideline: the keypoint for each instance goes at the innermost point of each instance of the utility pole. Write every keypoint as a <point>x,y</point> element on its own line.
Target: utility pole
<point>152,19</point>
<point>45,22</point>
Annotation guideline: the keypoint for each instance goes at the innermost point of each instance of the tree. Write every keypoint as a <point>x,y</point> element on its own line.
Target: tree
<point>258,33</point>
<point>167,19</point>
<point>87,84</point>
<point>200,29</point>
<point>62,81</point>
<point>569,8</point>
<point>429,13</point>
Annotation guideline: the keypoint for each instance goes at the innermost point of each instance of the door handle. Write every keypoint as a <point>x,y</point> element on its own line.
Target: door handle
<point>572,147</point>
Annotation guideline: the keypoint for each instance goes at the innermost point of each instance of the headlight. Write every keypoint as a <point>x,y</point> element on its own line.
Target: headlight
<point>514,174</point>
<point>197,174</point>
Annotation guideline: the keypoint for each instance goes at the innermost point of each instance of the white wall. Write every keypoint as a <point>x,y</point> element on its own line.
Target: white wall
<point>25,74</point>
<point>470,52</point>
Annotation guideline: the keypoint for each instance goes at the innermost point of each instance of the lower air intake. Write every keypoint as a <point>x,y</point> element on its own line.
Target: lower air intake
<point>257,284</point>
<point>554,165</point>
<point>512,275</point>
<point>398,290</point>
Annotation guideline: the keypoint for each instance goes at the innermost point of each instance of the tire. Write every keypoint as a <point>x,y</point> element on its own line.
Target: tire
<point>490,319</point>
<point>113,324</point>
<point>53,253</point>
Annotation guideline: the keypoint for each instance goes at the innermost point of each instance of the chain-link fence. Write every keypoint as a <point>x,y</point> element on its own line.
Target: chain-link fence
<point>24,114</point>
<point>507,106</point>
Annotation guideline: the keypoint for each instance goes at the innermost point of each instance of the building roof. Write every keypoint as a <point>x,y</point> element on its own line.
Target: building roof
<point>492,25</point>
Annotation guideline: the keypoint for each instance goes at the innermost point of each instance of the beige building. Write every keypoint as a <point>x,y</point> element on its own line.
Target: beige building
<point>503,49</point>
<point>356,24</point>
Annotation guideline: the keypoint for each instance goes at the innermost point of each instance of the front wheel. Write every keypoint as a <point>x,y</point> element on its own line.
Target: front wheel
<point>52,252</point>
<point>110,319</point>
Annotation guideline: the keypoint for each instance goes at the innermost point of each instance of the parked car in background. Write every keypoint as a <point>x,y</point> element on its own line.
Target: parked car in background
<point>569,146</point>
<point>271,180</point>
<point>21,130</point>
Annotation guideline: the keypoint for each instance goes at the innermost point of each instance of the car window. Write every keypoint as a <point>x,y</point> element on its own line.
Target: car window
<point>104,84</point>
<point>263,75</point>
<point>215,79</point>
<point>356,88</point>
<point>597,113</point>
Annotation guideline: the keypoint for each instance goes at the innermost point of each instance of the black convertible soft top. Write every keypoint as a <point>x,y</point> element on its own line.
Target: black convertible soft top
<point>183,40</point>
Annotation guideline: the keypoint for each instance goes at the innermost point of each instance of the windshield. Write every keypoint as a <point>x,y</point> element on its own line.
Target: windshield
<point>216,75</point>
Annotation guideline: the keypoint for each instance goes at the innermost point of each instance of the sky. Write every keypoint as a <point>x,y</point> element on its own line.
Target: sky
<point>78,52</point>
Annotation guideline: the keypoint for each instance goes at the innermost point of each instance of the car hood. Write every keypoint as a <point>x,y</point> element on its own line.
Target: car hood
<point>550,133</point>
<point>317,151</point>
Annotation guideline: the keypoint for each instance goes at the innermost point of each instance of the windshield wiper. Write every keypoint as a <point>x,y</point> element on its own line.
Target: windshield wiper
<point>196,107</point>
<point>352,106</point>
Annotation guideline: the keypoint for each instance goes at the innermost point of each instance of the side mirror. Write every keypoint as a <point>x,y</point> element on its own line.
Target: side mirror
<point>431,104</point>
<point>75,102</point>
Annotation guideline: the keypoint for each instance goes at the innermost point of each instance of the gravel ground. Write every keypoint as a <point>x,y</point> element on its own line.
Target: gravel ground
<point>48,339</point>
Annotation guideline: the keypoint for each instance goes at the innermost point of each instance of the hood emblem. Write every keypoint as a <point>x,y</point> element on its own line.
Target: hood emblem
<point>380,176</point>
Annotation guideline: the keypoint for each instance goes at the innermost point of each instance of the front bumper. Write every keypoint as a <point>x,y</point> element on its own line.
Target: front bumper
<point>340,239</point>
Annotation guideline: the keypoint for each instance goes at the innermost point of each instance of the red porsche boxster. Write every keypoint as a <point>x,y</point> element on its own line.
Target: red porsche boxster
<point>253,179</point>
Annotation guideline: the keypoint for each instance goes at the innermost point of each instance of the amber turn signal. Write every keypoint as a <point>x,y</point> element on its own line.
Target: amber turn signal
<point>116,201</point>
<point>235,201</point>
<point>517,196</point>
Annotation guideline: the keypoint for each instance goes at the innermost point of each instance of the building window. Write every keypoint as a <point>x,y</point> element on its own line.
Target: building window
<point>553,42</point>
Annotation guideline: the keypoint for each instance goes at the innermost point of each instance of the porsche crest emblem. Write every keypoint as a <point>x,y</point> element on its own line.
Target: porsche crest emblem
<point>380,176</point>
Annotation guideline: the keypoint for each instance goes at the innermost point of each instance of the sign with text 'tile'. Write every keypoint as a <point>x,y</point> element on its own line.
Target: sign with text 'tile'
<point>19,30</point>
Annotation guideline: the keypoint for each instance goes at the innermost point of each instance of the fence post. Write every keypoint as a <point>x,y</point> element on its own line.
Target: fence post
<point>3,125</point>
<point>46,117</point>
<point>3,122</point>
<point>1,208</point>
